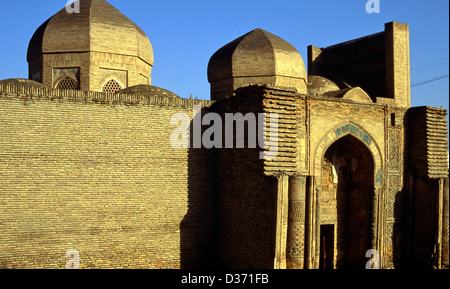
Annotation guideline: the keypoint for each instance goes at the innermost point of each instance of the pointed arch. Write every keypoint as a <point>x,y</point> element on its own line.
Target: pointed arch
<point>366,140</point>
<point>360,133</point>
<point>67,82</point>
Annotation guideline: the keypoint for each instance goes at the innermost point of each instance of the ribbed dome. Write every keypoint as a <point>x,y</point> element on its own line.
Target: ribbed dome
<point>98,27</point>
<point>258,57</point>
<point>257,53</point>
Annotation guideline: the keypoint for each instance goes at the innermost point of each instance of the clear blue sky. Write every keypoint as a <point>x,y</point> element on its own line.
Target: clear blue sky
<point>185,34</point>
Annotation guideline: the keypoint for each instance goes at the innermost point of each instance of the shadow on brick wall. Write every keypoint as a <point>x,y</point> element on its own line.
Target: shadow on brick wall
<point>398,230</point>
<point>245,197</point>
<point>197,229</point>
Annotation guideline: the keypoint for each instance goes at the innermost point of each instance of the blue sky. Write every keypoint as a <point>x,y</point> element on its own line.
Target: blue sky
<point>185,34</point>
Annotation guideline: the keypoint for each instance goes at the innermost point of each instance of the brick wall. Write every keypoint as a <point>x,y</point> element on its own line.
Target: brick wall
<point>428,141</point>
<point>360,62</point>
<point>246,198</point>
<point>96,172</point>
<point>378,63</point>
<point>427,165</point>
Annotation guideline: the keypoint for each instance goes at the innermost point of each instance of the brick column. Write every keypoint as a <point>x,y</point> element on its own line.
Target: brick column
<point>296,222</point>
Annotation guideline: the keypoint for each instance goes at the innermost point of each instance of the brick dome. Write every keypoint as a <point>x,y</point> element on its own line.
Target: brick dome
<point>258,57</point>
<point>21,82</point>
<point>149,90</point>
<point>93,46</point>
<point>98,27</point>
<point>319,85</point>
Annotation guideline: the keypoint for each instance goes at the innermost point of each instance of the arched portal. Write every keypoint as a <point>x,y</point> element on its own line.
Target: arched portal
<point>347,181</point>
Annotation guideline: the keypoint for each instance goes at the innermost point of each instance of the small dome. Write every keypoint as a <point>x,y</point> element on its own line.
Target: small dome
<point>355,94</point>
<point>318,85</point>
<point>98,27</point>
<point>148,90</point>
<point>21,82</point>
<point>258,57</point>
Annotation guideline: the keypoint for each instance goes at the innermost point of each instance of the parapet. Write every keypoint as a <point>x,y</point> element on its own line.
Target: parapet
<point>29,93</point>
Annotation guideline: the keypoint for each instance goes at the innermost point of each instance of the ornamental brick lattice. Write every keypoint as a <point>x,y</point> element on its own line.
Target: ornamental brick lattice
<point>68,83</point>
<point>111,86</point>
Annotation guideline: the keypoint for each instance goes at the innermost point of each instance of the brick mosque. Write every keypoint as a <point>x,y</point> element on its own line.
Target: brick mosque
<point>86,161</point>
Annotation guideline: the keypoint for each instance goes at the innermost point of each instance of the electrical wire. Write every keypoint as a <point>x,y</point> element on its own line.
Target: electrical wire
<point>428,66</point>
<point>428,81</point>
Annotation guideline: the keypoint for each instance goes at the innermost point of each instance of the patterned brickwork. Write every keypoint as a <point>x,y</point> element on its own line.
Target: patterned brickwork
<point>296,225</point>
<point>282,102</point>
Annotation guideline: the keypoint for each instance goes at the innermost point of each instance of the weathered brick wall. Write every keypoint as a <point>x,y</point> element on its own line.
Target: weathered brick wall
<point>246,198</point>
<point>360,62</point>
<point>96,173</point>
<point>284,103</point>
<point>427,165</point>
<point>428,141</point>
<point>378,63</point>
<point>423,223</point>
<point>303,125</point>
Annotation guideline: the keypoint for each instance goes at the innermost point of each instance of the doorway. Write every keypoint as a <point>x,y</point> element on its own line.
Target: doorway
<point>326,247</point>
<point>348,181</point>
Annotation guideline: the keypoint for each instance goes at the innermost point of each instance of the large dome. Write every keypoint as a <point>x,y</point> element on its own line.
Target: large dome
<point>98,27</point>
<point>258,57</point>
<point>90,46</point>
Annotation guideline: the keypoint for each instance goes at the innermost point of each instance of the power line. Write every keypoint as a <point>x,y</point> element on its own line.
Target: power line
<point>428,81</point>
<point>428,66</point>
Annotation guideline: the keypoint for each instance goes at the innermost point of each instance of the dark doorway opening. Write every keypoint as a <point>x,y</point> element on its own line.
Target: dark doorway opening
<point>326,246</point>
<point>348,181</point>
